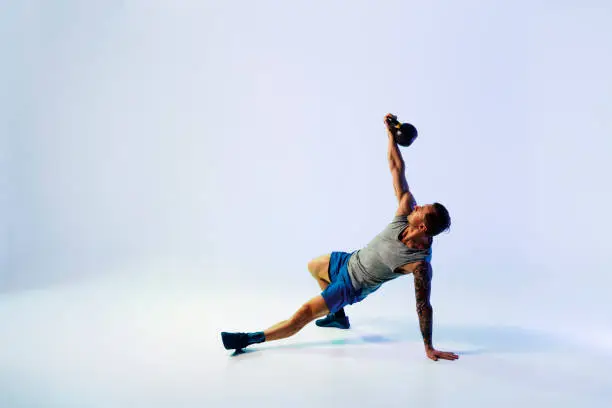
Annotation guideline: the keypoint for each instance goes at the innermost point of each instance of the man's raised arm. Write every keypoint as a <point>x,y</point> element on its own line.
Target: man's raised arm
<point>422,288</point>
<point>397,167</point>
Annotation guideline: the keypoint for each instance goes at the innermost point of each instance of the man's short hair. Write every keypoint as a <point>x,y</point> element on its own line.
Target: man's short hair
<point>437,221</point>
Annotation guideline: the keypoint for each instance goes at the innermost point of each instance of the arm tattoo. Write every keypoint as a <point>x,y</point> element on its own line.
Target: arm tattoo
<point>422,288</point>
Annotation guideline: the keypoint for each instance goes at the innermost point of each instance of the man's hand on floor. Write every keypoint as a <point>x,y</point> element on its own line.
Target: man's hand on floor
<point>444,355</point>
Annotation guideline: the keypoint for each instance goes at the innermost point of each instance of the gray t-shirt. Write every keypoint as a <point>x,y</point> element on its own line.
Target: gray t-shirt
<point>375,264</point>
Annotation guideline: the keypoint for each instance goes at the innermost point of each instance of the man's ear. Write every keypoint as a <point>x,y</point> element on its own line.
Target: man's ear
<point>422,227</point>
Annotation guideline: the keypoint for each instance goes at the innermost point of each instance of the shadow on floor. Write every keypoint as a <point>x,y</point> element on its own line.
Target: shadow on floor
<point>479,339</point>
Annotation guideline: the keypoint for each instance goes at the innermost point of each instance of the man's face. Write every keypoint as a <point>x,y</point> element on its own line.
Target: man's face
<point>417,216</point>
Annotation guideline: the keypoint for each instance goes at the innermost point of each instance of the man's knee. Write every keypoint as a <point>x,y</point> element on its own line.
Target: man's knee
<point>315,307</point>
<point>312,267</point>
<point>318,265</point>
<point>304,315</point>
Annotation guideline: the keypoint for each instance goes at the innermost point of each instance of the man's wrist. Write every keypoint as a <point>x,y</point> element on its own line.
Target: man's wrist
<point>429,347</point>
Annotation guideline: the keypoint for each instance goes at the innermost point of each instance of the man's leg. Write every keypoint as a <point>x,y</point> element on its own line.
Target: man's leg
<point>315,307</point>
<point>319,269</point>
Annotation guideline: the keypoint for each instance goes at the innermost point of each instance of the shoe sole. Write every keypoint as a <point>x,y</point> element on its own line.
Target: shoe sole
<point>334,326</point>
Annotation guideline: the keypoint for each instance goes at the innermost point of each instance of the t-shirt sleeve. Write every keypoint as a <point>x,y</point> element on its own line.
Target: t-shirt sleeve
<point>400,219</point>
<point>398,222</point>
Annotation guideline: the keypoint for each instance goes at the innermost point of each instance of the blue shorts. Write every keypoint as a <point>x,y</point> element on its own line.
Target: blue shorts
<point>340,291</point>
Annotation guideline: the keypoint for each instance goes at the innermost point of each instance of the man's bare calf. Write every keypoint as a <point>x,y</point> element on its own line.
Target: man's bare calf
<point>315,307</point>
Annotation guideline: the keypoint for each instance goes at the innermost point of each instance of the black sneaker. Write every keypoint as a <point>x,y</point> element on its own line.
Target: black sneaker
<point>331,320</point>
<point>234,341</point>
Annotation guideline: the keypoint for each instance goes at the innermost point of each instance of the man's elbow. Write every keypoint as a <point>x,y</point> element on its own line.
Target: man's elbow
<point>396,164</point>
<point>424,308</point>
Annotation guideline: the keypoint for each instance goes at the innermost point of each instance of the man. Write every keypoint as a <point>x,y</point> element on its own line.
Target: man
<point>403,247</point>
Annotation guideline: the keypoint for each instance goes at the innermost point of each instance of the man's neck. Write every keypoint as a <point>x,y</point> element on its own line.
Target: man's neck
<point>416,241</point>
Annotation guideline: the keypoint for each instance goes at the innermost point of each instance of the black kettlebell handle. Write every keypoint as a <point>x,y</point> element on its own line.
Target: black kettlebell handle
<point>394,123</point>
<point>403,133</point>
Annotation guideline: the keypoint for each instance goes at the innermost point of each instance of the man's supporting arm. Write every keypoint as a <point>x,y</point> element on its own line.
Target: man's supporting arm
<point>422,287</point>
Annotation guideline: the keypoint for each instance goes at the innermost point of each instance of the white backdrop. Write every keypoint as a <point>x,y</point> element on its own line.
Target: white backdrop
<point>249,136</point>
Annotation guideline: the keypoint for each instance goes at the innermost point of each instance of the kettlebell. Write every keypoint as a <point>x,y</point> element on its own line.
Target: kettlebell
<point>403,133</point>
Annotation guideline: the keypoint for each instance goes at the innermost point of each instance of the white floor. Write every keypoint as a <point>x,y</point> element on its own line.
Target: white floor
<point>152,340</point>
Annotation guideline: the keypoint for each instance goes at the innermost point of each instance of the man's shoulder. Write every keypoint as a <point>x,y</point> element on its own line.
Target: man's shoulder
<point>399,220</point>
<point>406,204</point>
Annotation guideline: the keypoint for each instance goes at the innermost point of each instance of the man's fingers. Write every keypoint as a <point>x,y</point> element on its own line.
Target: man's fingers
<point>444,355</point>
